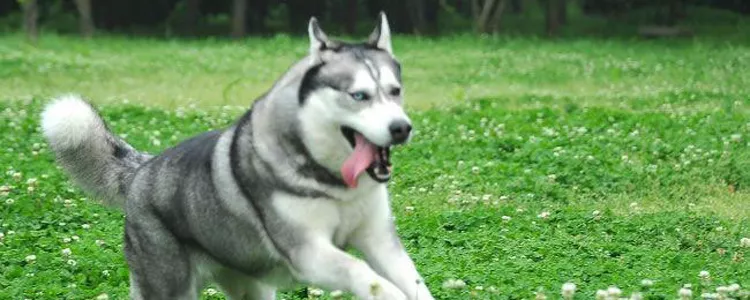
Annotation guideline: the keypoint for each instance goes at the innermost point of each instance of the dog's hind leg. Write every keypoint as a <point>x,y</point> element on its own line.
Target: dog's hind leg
<point>237,286</point>
<point>160,266</point>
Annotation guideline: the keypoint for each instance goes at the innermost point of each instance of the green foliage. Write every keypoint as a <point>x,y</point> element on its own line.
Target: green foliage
<point>534,163</point>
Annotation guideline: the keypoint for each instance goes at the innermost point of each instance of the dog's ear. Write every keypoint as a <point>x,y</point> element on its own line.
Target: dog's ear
<point>318,39</point>
<point>381,36</point>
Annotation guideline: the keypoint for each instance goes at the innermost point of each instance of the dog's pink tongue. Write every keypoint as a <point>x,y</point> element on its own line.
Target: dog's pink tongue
<point>361,158</point>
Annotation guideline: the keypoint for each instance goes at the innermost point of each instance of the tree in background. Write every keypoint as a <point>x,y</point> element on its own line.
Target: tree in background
<point>30,19</point>
<point>487,14</point>
<point>85,19</point>
<point>239,12</point>
<point>553,16</point>
<point>238,18</point>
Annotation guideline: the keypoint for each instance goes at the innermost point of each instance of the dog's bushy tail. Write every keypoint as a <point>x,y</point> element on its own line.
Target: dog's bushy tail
<point>97,160</point>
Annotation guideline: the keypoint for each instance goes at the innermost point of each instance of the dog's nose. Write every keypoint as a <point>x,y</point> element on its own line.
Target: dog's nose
<point>399,131</point>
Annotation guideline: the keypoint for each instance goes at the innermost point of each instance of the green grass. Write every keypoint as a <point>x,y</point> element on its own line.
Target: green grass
<point>535,162</point>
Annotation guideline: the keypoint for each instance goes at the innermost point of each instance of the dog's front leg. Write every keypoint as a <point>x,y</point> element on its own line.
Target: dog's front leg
<point>322,264</point>
<point>384,252</point>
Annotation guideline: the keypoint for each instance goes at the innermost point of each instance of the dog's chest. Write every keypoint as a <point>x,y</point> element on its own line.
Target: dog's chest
<point>336,220</point>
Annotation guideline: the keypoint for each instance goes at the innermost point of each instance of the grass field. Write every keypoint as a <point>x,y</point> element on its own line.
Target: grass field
<point>535,162</point>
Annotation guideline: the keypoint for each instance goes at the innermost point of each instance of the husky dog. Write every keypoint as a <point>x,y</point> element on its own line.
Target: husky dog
<point>270,201</point>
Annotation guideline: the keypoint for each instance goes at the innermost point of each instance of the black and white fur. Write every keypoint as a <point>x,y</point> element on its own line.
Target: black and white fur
<point>258,206</point>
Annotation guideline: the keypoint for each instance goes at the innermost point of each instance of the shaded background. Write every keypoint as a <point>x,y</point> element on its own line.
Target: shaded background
<point>240,18</point>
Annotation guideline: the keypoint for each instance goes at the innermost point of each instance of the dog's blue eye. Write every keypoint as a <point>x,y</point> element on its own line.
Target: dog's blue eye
<point>360,96</point>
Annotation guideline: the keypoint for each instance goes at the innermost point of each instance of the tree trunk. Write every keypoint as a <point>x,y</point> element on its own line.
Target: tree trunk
<point>416,14</point>
<point>351,16</point>
<point>562,12</point>
<point>484,16</point>
<point>475,10</point>
<point>30,19</point>
<point>553,17</point>
<point>239,12</point>
<point>497,15</point>
<point>85,20</point>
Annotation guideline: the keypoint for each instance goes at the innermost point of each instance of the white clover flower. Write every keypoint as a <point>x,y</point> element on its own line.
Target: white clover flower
<point>733,288</point>
<point>636,296</point>
<point>72,262</point>
<point>455,284</point>
<point>30,258</point>
<point>106,273</point>
<point>102,297</point>
<point>337,294</point>
<point>601,295</point>
<point>315,292</point>
<point>75,238</point>
<point>211,292</point>
<point>685,293</point>
<point>544,215</point>
<point>647,283</point>
<point>475,169</point>
<point>506,218</point>
<point>745,242</point>
<point>540,295</point>
<point>86,226</point>
<point>722,290</point>
<point>66,252</point>
<point>614,292</point>
<point>66,240</point>
<point>31,182</point>
<point>704,274</point>
<point>9,201</point>
<point>568,290</point>
<point>2,236</point>
<point>99,243</point>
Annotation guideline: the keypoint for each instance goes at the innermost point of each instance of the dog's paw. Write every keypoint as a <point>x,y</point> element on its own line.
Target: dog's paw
<point>385,291</point>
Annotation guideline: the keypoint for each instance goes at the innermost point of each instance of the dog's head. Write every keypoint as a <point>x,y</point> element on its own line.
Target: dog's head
<point>352,96</point>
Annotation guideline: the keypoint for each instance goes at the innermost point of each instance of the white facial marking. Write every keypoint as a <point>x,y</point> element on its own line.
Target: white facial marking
<point>388,78</point>
<point>363,81</point>
<point>371,67</point>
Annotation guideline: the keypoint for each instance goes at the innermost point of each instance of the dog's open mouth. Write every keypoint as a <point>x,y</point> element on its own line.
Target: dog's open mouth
<point>366,157</point>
